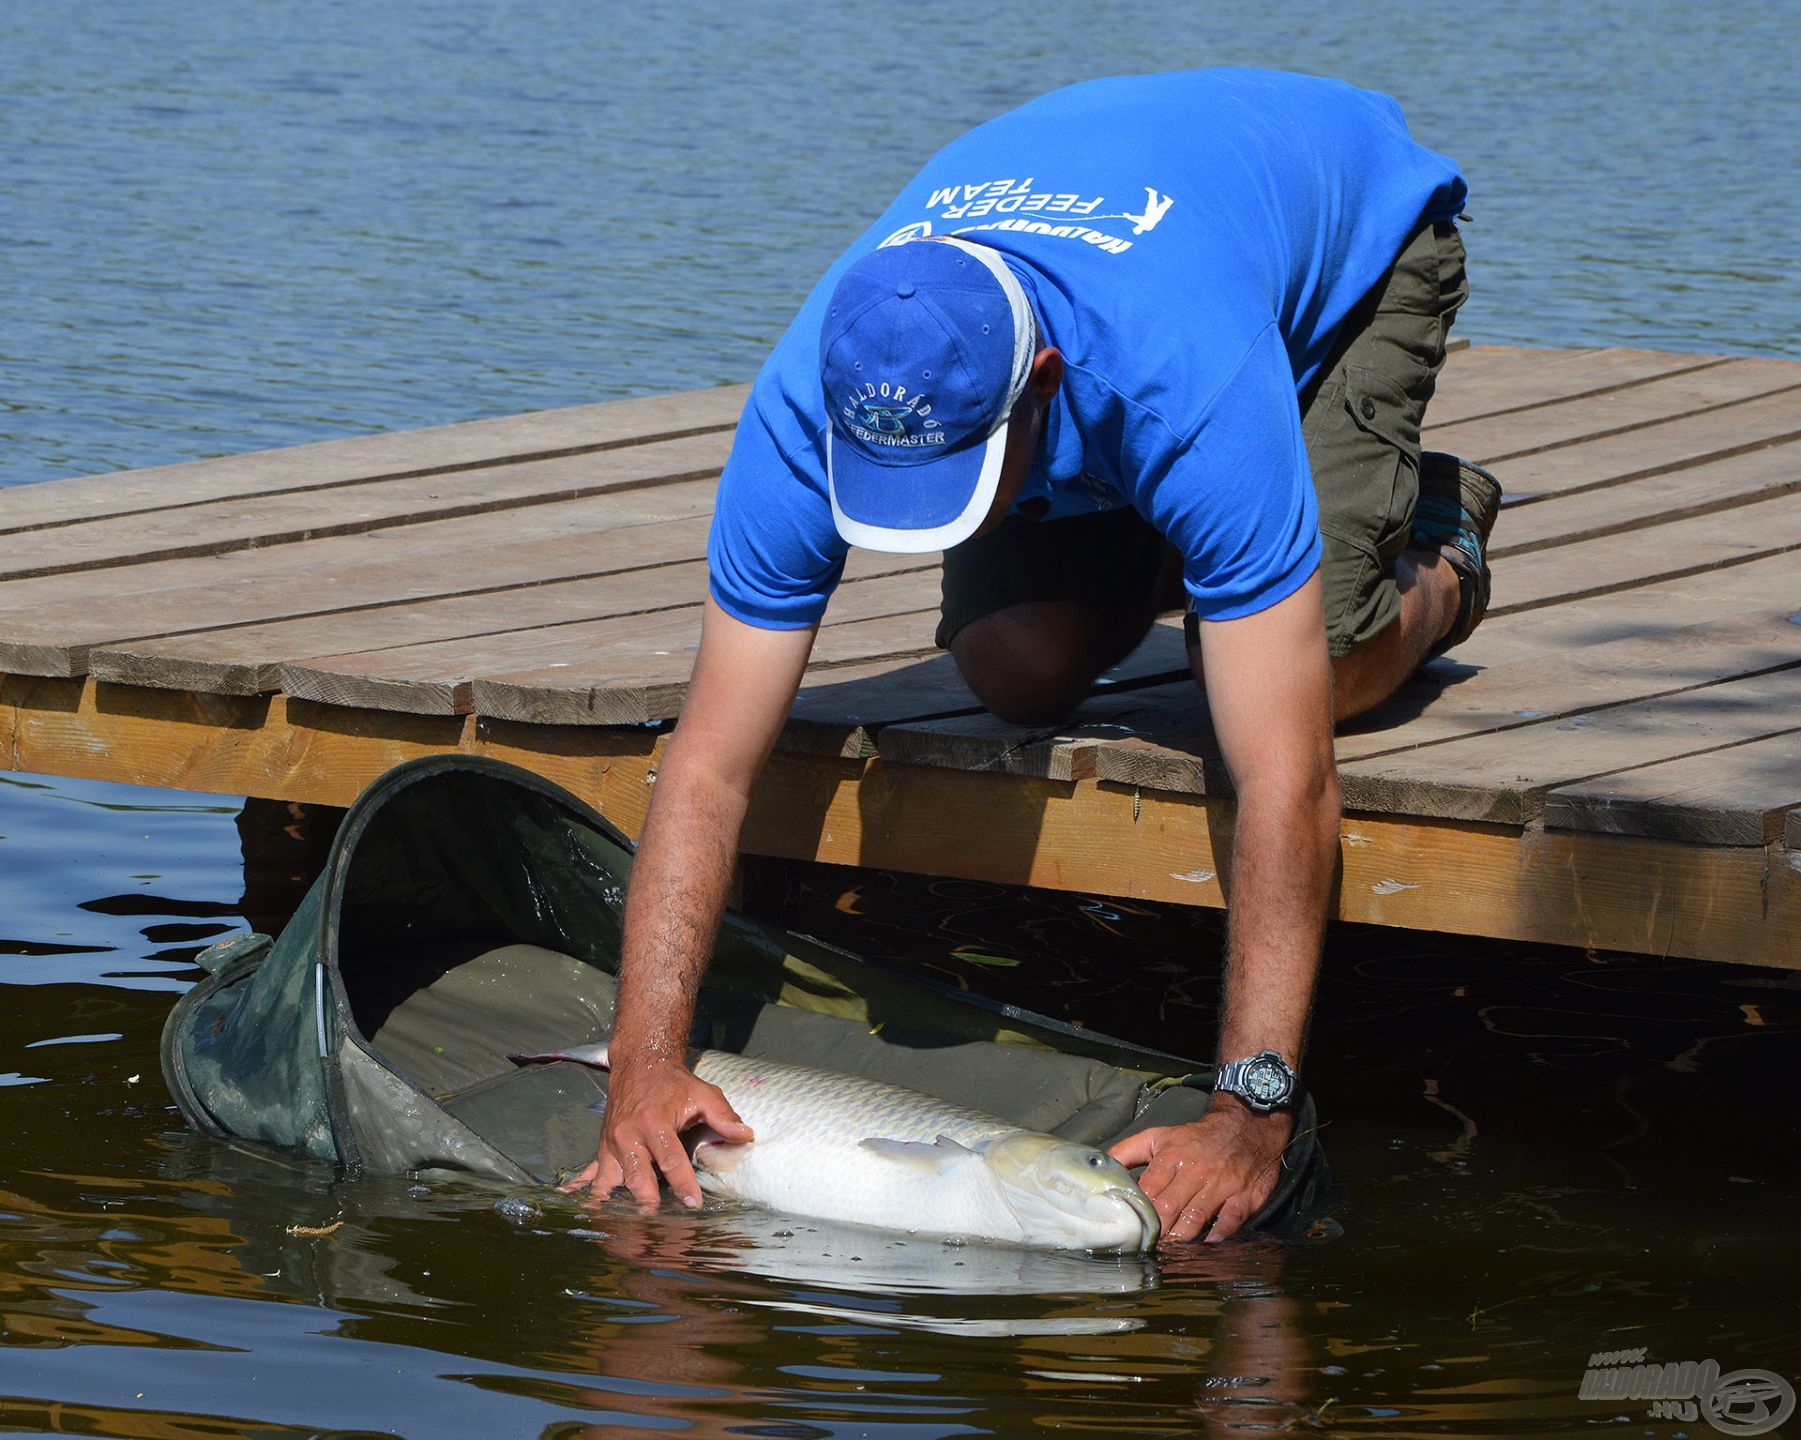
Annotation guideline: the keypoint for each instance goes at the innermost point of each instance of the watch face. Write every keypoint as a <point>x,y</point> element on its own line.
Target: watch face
<point>1266,1080</point>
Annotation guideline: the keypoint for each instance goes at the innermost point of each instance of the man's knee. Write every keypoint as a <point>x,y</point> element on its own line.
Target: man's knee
<point>1028,666</point>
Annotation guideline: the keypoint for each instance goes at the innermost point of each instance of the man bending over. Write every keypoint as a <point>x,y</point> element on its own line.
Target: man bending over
<point>1142,333</point>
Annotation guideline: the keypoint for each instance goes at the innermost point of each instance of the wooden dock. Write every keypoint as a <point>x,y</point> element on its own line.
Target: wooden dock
<point>1613,761</point>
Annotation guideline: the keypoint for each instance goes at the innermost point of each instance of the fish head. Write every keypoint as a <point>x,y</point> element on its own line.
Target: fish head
<point>1073,1195</point>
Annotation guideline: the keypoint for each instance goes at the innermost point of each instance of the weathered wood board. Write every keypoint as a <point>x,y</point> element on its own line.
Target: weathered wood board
<point>242,524</point>
<point>1735,796</point>
<point>1710,389</point>
<point>1503,379</point>
<point>1502,776</point>
<point>473,444</point>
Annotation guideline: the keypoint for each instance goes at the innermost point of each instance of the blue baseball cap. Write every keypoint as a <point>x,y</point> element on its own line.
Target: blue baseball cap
<point>926,348</point>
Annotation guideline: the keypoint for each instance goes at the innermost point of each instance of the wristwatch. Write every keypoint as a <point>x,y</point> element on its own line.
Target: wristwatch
<point>1263,1081</point>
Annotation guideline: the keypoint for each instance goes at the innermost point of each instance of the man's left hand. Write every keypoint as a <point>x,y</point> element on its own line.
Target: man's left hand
<point>1220,1168</point>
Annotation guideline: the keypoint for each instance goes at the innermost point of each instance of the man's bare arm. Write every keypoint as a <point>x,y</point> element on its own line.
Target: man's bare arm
<point>1269,687</point>
<point>744,683</point>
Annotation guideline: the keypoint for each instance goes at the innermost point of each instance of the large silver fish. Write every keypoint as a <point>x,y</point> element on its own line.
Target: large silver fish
<point>839,1147</point>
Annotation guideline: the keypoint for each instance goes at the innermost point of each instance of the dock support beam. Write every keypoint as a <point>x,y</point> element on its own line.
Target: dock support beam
<point>1657,897</point>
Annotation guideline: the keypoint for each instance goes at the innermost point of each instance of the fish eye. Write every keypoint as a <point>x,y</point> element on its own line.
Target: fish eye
<point>1097,1162</point>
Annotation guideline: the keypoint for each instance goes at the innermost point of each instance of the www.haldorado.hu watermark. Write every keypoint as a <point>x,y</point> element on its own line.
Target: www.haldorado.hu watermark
<point>1741,1402</point>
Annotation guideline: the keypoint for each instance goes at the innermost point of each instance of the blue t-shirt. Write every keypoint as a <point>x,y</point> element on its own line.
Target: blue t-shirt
<point>1191,243</point>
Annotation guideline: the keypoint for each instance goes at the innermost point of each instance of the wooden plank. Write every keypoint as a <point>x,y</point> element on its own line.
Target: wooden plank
<point>625,687</point>
<point>850,710</point>
<point>1638,557</point>
<point>1444,703</point>
<point>839,711</point>
<point>248,660</point>
<point>1791,832</point>
<point>623,671</point>
<point>1749,479</point>
<point>226,525</point>
<point>1653,449</point>
<point>1549,887</point>
<point>1532,666</point>
<point>451,541</point>
<point>1563,888</point>
<point>1495,439</point>
<point>260,620</point>
<point>1625,648</point>
<point>442,449</point>
<point>276,747</point>
<point>1495,379</point>
<point>1503,776</point>
<point>1064,751</point>
<point>1658,605</point>
<point>1735,796</point>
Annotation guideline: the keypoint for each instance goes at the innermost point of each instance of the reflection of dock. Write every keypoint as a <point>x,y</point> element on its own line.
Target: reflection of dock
<point>1614,760</point>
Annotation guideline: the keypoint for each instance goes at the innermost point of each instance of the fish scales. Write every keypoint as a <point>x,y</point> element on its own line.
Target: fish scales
<point>858,1151</point>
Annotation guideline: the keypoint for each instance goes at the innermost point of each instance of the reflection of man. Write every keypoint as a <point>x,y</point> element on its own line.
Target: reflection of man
<point>1078,410</point>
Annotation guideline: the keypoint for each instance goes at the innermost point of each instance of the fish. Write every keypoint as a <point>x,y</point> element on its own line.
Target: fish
<point>850,1150</point>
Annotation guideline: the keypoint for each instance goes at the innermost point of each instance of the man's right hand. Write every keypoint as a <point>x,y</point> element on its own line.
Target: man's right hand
<point>649,1104</point>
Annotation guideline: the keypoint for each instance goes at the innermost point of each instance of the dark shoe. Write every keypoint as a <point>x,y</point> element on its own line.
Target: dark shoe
<point>1456,510</point>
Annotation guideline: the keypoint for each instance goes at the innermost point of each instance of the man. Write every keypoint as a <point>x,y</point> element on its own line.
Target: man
<point>1139,330</point>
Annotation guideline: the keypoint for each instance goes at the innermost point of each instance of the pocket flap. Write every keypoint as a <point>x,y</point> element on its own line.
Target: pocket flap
<point>1381,407</point>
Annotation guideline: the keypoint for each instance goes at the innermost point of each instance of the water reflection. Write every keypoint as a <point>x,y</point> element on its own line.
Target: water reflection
<point>1548,1154</point>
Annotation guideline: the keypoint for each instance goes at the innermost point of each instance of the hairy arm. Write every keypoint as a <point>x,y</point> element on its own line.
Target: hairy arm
<point>744,683</point>
<point>1269,687</point>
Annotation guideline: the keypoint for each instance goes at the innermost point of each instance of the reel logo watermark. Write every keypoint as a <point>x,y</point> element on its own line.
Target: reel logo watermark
<point>1741,1402</point>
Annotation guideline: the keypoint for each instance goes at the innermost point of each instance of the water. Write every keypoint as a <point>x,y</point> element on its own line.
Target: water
<point>230,227</point>
<point>227,227</point>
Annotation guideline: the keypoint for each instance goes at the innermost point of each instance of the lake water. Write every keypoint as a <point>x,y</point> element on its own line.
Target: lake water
<point>228,227</point>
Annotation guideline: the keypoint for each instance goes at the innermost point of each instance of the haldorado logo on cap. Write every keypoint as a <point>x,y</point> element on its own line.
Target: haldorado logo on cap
<point>882,414</point>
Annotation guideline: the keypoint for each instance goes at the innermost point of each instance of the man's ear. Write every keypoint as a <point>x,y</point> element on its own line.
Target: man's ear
<point>1046,376</point>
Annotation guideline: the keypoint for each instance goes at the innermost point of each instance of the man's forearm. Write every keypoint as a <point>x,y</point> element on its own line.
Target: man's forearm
<point>1284,853</point>
<point>672,911</point>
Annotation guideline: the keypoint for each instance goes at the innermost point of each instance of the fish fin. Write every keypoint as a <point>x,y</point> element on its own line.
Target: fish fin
<point>932,1158</point>
<point>718,1157</point>
<point>594,1055</point>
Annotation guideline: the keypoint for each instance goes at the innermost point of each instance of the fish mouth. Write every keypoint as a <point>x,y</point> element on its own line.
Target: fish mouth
<point>1150,1223</point>
<point>1140,1231</point>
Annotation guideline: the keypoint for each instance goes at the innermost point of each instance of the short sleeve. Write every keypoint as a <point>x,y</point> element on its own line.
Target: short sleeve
<point>773,554</point>
<point>1236,496</point>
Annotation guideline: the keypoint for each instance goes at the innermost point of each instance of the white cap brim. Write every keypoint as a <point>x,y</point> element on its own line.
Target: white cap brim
<point>988,457</point>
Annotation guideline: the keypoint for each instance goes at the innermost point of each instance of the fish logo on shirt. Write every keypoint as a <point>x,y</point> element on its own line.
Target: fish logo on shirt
<point>888,419</point>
